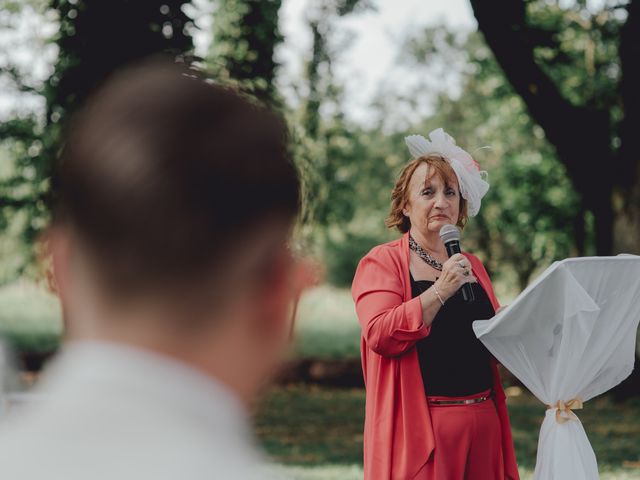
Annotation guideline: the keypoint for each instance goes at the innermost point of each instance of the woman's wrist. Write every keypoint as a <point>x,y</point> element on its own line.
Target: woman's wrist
<point>439,295</point>
<point>444,293</point>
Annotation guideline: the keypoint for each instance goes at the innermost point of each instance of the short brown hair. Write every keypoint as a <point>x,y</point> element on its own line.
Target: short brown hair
<point>400,193</point>
<point>164,174</point>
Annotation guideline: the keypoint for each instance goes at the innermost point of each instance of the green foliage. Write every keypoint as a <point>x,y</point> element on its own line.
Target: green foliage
<point>343,251</point>
<point>22,189</point>
<point>22,142</point>
<point>578,49</point>
<point>531,215</point>
<point>96,38</point>
<point>93,40</point>
<point>332,145</point>
<point>528,217</point>
<point>574,64</point>
<point>348,195</point>
<point>244,39</point>
<point>343,220</point>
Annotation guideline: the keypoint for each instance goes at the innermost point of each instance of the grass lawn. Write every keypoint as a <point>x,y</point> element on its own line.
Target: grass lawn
<point>29,317</point>
<point>327,326</point>
<point>317,432</point>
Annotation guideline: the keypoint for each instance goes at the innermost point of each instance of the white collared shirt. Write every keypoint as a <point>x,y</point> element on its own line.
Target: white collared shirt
<point>108,411</point>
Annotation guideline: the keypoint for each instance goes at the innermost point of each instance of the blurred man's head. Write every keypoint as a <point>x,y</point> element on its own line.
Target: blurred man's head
<point>172,204</point>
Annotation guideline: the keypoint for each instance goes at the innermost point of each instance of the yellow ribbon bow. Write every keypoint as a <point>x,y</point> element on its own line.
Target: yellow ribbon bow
<point>567,407</point>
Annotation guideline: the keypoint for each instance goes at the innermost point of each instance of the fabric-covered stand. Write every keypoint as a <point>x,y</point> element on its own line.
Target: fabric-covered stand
<point>569,337</point>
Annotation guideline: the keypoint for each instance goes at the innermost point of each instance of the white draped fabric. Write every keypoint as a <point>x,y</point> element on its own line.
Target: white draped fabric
<point>570,335</point>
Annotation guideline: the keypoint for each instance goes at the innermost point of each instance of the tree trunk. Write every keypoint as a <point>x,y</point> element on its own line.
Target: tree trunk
<point>314,100</point>
<point>524,274</point>
<point>580,232</point>
<point>603,216</point>
<point>627,226</point>
<point>627,223</point>
<point>580,134</point>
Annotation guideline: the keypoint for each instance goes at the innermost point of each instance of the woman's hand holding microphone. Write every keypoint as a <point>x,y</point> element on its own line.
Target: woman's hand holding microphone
<point>456,271</point>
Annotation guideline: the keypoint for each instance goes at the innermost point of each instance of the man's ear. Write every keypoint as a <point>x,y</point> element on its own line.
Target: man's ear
<point>282,290</point>
<point>275,296</point>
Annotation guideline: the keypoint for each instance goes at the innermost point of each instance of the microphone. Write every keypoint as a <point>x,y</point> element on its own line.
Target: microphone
<point>450,235</point>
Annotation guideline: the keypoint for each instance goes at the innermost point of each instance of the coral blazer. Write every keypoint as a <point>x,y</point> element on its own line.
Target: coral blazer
<point>398,437</point>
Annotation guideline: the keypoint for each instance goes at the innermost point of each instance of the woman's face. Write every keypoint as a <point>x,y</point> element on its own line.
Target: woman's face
<point>431,203</point>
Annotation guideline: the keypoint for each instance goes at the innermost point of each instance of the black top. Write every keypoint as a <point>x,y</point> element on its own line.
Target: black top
<point>452,359</point>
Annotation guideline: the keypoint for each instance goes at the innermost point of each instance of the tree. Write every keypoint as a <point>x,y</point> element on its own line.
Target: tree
<point>577,71</point>
<point>526,220</point>
<point>341,155</point>
<point>93,40</point>
<point>96,38</point>
<point>24,24</point>
<point>336,143</point>
<point>245,36</point>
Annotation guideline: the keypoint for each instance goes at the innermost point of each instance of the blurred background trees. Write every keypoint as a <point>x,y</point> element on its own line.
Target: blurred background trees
<point>91,40</point>
<point>546,85</point>
<point>574,68</point>
<point>246,34</point>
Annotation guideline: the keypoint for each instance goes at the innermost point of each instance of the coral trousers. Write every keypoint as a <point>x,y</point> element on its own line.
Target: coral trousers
<point>468,442</point>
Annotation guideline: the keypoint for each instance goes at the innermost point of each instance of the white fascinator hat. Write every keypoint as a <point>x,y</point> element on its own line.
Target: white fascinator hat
<point>473,181</point>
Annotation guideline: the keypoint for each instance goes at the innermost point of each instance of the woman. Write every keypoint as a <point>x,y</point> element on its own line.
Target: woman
<point>435,408</point>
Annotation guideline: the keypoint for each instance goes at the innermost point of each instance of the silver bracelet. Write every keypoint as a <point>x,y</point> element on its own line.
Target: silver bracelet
<point>438,295</point>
